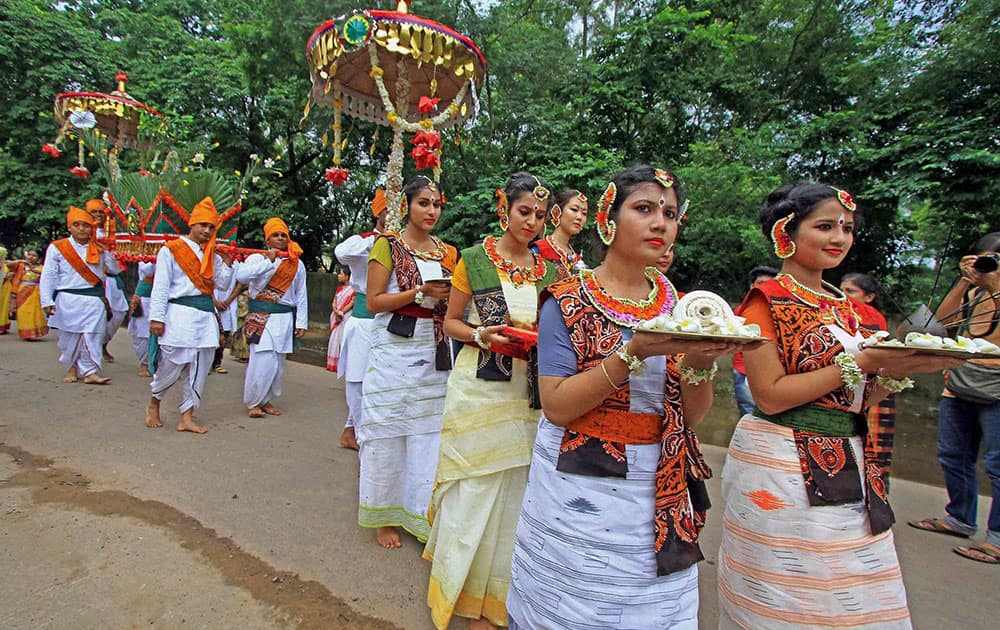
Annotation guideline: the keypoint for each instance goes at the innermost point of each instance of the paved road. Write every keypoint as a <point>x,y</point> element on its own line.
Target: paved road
<point>108,524</point>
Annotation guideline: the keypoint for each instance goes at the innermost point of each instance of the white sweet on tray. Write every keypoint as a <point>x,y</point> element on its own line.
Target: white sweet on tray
<point>933,342</point>
<point>702,312</point>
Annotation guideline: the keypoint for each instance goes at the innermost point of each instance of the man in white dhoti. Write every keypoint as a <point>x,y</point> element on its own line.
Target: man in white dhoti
<point>138,323</point>
<point>278,314</point>
<point>114,285</point>
<point>72,295</point>
<point>353,362</point>
<point>184,331</point>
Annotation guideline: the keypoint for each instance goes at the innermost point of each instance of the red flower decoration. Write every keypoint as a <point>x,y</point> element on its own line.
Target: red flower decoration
<point>846,199</point>
<point>145,173</point>
<point>429,140</point>
<point>51,150</point>
<point>337,176</point>
<point>427,105</point>
<point>424,157</point>
<point>80,171</point>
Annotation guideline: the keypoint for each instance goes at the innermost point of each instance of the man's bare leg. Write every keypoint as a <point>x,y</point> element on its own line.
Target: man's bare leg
<point>388,537</point>
<point>96,379</point>
<point>348,439</point>
<point>144,371</point>
<point>107,355</point>
<point>187,423</point>
<point>71,376</point>
<point>153,414</point>
<point>270,409</point>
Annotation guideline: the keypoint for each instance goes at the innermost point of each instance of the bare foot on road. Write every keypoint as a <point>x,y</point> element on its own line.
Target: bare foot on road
<point>96,379</point>
<point>71,376</point>
<point>255,412</point>
<point>388,537</point>
<point>481,624</point>
<point>153,415</point>
<point>144,371</point>
<point>270,409</point>
<point>348,439</point>
<point>107,355</point>
<point>187,423</point>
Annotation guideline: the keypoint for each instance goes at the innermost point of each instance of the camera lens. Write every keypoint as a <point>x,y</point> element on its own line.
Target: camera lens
<point>986,264</point>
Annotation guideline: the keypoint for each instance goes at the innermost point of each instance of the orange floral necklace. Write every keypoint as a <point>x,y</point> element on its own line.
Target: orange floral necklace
<point>518,275</point>
<point>626,312</point>
<point>834,308</point>
<point>566,258</point>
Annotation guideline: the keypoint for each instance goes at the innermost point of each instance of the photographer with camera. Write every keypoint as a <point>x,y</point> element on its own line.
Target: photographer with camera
<point>970,405</point>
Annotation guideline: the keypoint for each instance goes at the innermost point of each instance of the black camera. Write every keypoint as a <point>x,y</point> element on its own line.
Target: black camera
<point>987,263</point>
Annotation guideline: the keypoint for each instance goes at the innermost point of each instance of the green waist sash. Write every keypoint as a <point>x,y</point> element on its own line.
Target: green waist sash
<point>201,302</point>
<point>144,289</point>
<point>260,306</point>
<point>94,291</point>
<point>821,420</point>
<point>120,282</point>
<point>360,309</point>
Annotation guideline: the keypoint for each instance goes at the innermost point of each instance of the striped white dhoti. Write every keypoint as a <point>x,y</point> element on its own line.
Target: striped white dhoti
<point>784,563</point>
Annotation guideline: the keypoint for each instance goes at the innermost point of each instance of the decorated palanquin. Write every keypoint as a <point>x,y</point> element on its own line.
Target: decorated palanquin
<point>144,209</point>
<point>397,69</point>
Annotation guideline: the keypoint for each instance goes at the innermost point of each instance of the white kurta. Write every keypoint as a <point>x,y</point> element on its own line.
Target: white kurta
<point>185,327</point>
<point>74,313</point>
<point>138,326</point>
<point>222,292</point>
<point>255,272</point>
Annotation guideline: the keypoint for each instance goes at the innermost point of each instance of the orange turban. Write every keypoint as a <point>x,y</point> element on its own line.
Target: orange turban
<point>274,224</point>
<point>93,205</point>
<point>76,215</point>
<point>205,212</point>
<point>379,203</point>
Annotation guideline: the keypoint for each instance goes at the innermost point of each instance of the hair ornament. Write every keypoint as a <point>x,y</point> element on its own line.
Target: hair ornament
<point>503,209</point>
<point>846,199</point>
<point>683,210</point>
<point>784,246</point>
<point>605,226</point>
<point>404,206</point>
<point>555,214</point>
<point>540,192</point>
<point>664,178</point>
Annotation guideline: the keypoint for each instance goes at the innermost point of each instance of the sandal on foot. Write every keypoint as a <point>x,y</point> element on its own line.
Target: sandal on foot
<point>936,525</point>
<point>220,370</point>
<point>979,553</point>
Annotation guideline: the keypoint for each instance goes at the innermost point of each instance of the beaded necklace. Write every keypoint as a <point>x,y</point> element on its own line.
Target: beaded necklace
<point>518,275</point>
<point>567,258</point>
<point>626,312</point>
<point>834,308</point>
<point>438,253</point>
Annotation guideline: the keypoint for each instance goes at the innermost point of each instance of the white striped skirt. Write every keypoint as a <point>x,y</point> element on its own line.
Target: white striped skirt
<point>784,563</point>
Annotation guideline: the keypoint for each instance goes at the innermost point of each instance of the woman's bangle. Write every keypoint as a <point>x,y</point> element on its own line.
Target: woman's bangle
<point>477,338</point>
<point>608,376</point>
<point>850,373</point>
<point>893,385</point>
<point>634,364</point>
<point>694,376</point>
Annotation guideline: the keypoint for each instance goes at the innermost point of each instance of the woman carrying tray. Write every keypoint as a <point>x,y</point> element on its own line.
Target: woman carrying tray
<point>489,420</point>
<point>608,533</point>
<point>806,537</point>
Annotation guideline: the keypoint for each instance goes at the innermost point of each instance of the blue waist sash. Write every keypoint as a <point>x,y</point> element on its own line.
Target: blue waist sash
<point>360,309</point>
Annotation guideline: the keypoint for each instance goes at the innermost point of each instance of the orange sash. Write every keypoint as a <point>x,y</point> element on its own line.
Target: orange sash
<point>190,265</point>
<point>283,275</point>
<point>66,249</point>
<point>613,425</point>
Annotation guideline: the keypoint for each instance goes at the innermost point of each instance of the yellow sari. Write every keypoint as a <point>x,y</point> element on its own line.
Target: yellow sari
<point>31,322</point>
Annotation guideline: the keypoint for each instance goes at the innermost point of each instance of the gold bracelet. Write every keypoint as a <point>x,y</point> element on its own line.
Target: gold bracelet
<point>608,376</point>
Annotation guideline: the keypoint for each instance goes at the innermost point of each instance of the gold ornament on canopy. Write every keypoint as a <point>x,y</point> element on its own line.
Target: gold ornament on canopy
<point>394,68</point>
